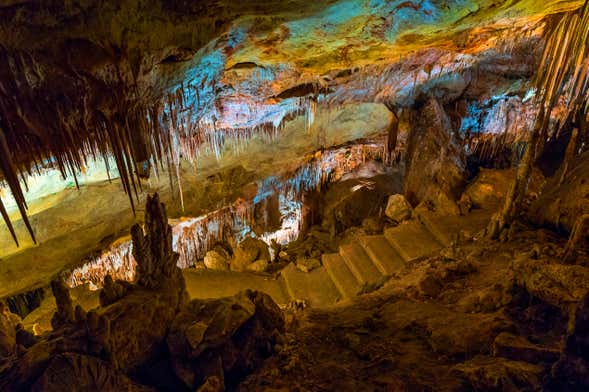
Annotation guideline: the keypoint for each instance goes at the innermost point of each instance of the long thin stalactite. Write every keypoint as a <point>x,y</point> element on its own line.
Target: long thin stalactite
<point>563,74</point>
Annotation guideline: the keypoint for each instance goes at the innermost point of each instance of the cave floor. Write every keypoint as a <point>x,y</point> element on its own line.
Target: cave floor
<point>434,326</point>
<point>479,312</point>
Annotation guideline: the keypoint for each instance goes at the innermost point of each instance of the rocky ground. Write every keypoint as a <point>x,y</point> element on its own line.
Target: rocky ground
<point>487,315</point>
<point>483,315</point>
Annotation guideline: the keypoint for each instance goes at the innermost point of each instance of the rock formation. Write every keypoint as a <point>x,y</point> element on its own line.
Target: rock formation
<point>435,165</point>
<point>117,345</point>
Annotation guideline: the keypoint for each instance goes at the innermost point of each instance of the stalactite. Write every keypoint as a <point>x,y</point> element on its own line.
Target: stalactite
<point>563,70</point>
<point>10,174</point>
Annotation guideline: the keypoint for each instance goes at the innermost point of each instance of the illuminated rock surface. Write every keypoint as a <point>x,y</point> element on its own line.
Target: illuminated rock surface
<point>359,195</point>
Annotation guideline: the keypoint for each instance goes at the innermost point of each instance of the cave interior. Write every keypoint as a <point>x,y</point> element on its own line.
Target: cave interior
<point>272,195</point>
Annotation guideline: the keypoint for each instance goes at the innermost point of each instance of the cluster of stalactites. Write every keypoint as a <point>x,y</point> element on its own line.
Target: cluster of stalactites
<point>140,137</point>
<point>563,73</point>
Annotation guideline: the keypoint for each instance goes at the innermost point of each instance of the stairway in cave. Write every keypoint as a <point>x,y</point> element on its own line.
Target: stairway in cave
<point>364,266</point>
<point>357,268</point>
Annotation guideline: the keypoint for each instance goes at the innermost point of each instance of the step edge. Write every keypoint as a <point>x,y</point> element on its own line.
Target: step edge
<point>338,285</point>
<point>289,290</point>
<point>375,260</point>
<point>406,258</point>
<point>352,267</point>
<point>429,224</point>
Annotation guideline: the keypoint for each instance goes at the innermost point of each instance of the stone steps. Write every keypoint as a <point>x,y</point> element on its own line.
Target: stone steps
<point>412,240</point>
<point>366,262</point>
<point>383,255</point>
<point>446,228</point>
<point>315,287</point>
<point>360,263</point>
<point>340,274</point>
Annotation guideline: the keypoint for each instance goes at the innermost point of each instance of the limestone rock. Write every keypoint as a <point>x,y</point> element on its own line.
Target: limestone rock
<point>499,374</point>
<point>519,348</point>
<point>258,266</point>
<point>435,165</point>
<point>241,330</point>
<point>560,204</point>
<point>571,372</point>
<point>464,334</point>
<point>557,284</point>
<point>267,217</point>
<point>139,321</point>
<point>75,372</point>
<point>212,384</point>
<point>398,208</point>
<point>489,187</point>
<point>465,204</point>
<point>348,203</point>
<point>308,265</point>
<point>8,330</point>
<point>156,260</point>
<point>248,251</point>
<point>64,313</point>
<point>216,261</point>
<point>113,291</point>
<point>372,225</point>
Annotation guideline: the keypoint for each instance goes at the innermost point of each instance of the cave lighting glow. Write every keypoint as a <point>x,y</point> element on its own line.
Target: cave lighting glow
<point>49,181</point>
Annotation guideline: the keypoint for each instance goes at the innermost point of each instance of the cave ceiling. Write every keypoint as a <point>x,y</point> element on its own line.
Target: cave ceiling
<point>153,80</point>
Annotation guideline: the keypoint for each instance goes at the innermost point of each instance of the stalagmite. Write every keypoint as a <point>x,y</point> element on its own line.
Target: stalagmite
<point>569,155</point>
<point>576,239</point>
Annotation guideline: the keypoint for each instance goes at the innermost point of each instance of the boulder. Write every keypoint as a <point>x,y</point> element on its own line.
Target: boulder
<point>248,251</point>
<point>435,165</point>
<point>488,189</point>
<point>224,338</point>
<point>215,260</point>
<point>258,266</point>
<point>398,208</point>
<point>8,329</point>
<point>64,314</point>
<point>559,285</point>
